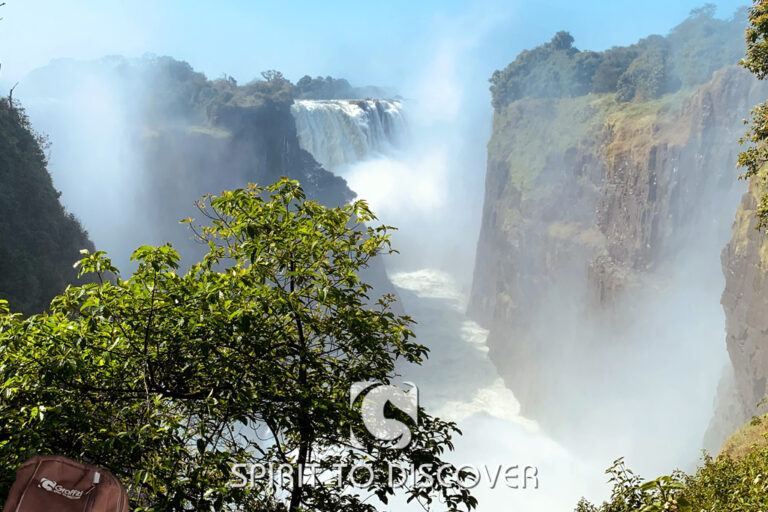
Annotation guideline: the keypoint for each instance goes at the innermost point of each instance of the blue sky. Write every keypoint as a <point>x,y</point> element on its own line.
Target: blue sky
<point>381,43</point>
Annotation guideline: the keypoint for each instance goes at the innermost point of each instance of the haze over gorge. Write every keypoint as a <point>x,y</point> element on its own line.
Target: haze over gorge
<point>575,246</point>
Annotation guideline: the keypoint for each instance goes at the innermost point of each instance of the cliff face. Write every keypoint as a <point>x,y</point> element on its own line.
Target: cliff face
<point>591,205</point>
<point>39,240</point>
<point>233,145</point>
<point>745,301</point>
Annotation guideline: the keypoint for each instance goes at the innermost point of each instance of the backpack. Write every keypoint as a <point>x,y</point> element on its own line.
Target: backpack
<point>51,483</point>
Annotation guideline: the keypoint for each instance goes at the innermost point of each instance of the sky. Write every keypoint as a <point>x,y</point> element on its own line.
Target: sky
<point>370,43</point>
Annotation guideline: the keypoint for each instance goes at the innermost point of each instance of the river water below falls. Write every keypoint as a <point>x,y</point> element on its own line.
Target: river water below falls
<point>459,383</point>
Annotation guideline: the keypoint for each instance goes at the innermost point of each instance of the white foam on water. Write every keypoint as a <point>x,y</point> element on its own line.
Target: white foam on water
<point>459,383</point>
<point>430,283</point>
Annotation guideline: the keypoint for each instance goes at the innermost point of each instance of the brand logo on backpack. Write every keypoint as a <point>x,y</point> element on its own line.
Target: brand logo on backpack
<point>51,486</point>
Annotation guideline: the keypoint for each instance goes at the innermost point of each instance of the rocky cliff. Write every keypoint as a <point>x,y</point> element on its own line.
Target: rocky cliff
<point>744,385</point>
<point>593,207</point>
<point>39,239</point>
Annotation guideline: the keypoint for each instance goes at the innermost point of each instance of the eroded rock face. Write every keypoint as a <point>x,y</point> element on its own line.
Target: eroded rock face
<point>745,301</point>
<point>591,207</point>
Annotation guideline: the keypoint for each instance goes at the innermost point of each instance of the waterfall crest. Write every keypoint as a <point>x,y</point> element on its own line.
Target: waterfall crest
<point>340,132</point>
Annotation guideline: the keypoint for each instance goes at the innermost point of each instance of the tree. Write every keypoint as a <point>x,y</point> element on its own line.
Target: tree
<point>705,11</point>
<point>547,71</point>
<point>562,41</point>
<point>631,493</point>
<point>323,88</point>
<point>168,379</point>
<point>755,157</point>
<point>646,76</point>
<point>272,75</point>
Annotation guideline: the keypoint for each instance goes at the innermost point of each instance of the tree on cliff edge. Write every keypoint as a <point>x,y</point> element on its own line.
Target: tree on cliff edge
<point>755,158</point>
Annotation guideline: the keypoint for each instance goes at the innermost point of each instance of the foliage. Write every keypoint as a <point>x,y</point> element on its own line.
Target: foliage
<point>167,379</point>
<point>632,494</point>
<point>546,71</point>
<point>323,88</point>
<point>329,88</point>
<point>176,89</point>
<point>179,90</point>
<point>755,157</point>
<point>722,484</point>
<point>39,240</point>
<point>726,484</point>
<point>611,65</point>
<point>653,66</point>
<point>703,44</point>
<point>271,75</point>
<point>646,76</point>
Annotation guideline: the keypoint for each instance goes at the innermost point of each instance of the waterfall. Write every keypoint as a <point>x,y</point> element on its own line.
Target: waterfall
<point>340,132</point>
<point>411,188</point>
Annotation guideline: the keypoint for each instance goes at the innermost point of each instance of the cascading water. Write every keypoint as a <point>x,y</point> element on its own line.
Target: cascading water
<point>458,382</point>
<point>341,132</point>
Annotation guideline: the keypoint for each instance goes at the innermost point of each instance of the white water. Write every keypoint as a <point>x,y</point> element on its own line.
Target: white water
<point>341,132</point>
<point>459,383</point>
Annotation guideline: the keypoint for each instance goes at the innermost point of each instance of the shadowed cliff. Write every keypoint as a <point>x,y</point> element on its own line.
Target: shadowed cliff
<point>39,239</point>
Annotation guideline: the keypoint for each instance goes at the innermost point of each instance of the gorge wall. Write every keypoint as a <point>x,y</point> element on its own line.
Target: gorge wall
<point>743,387</point>
<point>604,213</point>
<point>39,239</point>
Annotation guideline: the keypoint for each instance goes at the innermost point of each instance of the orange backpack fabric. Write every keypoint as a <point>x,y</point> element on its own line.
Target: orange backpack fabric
<point>51,483</point>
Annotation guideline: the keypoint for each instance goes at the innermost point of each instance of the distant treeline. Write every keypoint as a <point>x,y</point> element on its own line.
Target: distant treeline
<point>330,88</point>
<point>178,87</point>
<point>653,66</point>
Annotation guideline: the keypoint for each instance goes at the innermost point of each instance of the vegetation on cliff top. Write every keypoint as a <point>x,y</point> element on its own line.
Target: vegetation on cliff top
<point>39,240</point>
<point>755,158</point>
<point>722,484</point>
<point>178,88</point>
<point>175,87</point>
<point>653,66</point>
<point>329,88</point>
